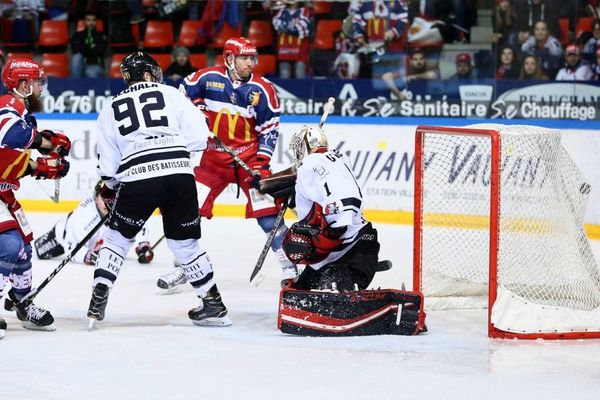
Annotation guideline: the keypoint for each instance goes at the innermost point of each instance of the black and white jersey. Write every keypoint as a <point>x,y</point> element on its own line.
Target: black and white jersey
<point>148,130</point>
<point>327,179</point>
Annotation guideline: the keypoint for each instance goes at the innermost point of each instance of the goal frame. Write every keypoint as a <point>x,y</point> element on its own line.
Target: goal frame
<point>494,233</point>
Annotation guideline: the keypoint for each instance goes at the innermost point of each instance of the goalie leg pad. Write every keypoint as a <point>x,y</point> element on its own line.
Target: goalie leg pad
<point>356,313</point>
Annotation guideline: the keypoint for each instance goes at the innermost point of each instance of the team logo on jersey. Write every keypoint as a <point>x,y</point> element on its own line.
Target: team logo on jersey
<point>331,208</point>
<point>215,86</point>
<point>233,99</point>
<point>254,98</point>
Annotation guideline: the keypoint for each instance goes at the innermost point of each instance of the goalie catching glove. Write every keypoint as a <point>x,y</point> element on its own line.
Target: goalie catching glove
<point>312,239</point>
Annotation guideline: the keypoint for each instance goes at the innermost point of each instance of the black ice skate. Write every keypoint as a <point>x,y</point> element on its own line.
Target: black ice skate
<point>170,282</point>
<point>2,327</point>
<point>31,316</point>
<point>98,304</point>
<point>211,312</point>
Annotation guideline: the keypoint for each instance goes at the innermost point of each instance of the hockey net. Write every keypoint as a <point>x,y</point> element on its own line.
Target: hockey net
<point>499,223</point>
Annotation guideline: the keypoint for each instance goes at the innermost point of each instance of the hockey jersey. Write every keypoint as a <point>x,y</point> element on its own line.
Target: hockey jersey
<point>18,128</point>
<point>148,130</point>
<point>244,115</point>
<point>327,179</point>
<point>374,18</point>
<point>293,28</point>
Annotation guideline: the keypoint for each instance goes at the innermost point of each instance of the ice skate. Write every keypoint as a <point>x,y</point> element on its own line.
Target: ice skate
<point>171,282</point>
<point>2,326</point>
<point>211,311</point>
<point>98,304</point>
<point>31,316</point>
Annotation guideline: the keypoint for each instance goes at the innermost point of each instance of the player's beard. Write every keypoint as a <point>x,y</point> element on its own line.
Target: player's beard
<point>34,104</point>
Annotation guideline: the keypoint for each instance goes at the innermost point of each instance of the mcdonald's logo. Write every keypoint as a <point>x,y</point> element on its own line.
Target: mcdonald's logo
<point>232,120</point>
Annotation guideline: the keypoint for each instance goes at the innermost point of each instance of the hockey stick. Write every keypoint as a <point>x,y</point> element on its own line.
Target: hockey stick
<point>261,258</point>
<point>157,242</point>
<point>265,250</point>
<point>233,154</point>
<point>35,291</point>
<point>328,108</point>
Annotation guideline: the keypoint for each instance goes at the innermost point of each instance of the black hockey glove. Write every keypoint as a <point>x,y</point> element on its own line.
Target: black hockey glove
<point>108,196</point>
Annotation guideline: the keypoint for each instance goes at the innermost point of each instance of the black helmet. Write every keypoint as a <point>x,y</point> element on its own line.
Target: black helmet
<point>135,64</point>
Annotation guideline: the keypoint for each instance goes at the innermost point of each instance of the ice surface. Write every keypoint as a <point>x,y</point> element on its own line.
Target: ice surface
<point>146,348</point>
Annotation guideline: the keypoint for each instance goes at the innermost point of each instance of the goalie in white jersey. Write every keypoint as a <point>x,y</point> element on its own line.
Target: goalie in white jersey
<point>145,136</point>
<point>332,238</point>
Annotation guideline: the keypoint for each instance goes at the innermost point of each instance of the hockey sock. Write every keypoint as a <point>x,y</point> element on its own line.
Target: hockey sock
<point>195,264</point>
<point>110,257</point>
<point>266,224</point>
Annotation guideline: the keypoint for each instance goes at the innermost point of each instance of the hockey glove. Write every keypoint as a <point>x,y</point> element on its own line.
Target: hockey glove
<point>92,254</point>
<point>50,168</point>
<point>262,169</point>
<point>108,196</point>
<point>144,252</point>
<point>323,238</point>
<point>61,145</point>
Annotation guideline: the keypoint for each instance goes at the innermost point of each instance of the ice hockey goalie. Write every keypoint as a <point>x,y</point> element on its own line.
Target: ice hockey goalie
<point>339,248</point>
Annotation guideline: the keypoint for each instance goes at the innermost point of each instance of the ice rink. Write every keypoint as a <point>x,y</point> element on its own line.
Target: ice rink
<point>147,348</point>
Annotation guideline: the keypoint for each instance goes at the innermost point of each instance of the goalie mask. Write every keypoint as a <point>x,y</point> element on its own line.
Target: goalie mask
<point>310,139</point>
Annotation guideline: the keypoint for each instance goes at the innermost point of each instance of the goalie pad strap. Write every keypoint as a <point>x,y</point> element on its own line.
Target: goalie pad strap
<point>354,313</point>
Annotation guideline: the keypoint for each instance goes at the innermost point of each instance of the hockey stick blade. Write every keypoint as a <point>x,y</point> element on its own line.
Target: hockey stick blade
<point>327,109</point>
<point>265,250</point>
<point>34,292</point>
<point>56,196</point>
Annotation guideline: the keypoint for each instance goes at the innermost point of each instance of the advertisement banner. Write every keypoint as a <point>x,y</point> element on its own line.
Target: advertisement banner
<point>371,98</point>
<point>382,157</point>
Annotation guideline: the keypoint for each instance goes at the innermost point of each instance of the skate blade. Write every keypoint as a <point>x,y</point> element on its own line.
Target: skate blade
<point>216,322</point>
<point>166,292</point>
<point>31,326</point>
<point>91,324</point>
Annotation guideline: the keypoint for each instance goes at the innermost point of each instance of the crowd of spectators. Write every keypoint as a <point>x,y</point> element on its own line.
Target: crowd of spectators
<point>531,39</point>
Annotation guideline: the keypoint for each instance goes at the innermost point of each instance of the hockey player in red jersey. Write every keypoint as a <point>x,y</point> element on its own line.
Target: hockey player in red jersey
<point>243,111</point>
<point>25,81</point>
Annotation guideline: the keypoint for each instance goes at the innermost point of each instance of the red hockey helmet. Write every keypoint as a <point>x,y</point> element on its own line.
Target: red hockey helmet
<point>239,46</point>
<point>22,69</point>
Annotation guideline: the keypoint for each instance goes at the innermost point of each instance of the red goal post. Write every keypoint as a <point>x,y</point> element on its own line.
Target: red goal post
<point>498,223</point>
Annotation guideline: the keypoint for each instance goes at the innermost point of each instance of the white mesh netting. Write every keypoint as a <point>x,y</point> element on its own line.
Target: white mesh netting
<point>544,257</point>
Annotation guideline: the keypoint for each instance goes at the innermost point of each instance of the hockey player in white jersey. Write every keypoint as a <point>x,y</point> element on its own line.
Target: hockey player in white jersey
<point>145,136</point>
<point>70,230</point>
<point>340,249</point>
<point>343,247</point>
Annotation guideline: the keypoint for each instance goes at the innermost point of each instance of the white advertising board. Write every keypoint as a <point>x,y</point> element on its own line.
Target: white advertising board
<point>382,157</point>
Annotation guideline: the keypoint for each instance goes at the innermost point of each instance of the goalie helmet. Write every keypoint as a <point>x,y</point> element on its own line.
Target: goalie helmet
<point>135,64</point>
<point>308,140</point>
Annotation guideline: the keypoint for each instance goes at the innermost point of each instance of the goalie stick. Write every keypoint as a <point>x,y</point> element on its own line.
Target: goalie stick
<point>261,258</point>
<point>35,291</point>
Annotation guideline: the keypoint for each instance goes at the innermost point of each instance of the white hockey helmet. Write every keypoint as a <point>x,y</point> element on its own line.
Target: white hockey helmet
<point>308,140</point>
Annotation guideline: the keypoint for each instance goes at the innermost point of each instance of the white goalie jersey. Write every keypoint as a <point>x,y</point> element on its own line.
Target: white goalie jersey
<point>327,179</point>
<point>148,130</point>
